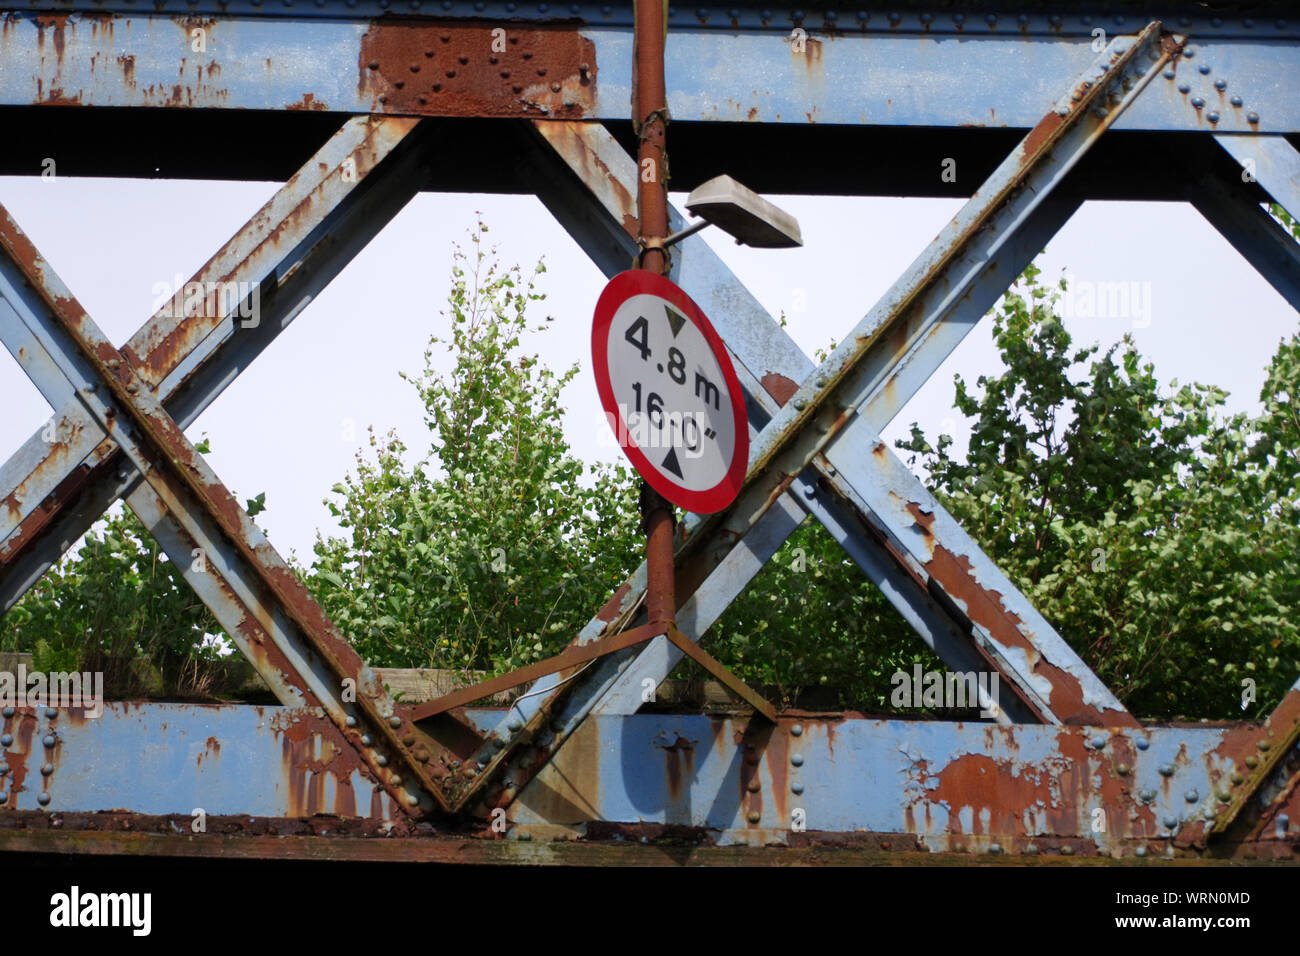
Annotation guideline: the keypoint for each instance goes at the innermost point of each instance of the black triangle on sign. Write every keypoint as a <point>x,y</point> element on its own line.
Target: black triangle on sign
<point>675,319</point>
<point>670,463</point>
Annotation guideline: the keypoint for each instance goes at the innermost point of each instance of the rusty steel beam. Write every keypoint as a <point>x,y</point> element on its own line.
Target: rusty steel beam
<point>52,491</point>
<point>258,599</point>
<point>1246,760</point>
<point>718,781</point>
<point>575,655</point>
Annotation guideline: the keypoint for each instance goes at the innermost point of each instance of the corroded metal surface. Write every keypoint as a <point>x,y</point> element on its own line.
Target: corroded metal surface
<point>810,782</point>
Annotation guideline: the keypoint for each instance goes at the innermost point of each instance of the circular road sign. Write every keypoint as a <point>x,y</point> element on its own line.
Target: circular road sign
<point>670,392</point>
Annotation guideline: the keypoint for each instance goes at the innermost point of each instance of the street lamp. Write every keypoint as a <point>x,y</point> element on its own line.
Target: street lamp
<point>741,213</point>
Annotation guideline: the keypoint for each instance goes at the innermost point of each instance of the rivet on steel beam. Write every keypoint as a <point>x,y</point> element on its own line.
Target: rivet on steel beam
<point>862,15</point>
<point>1122,769</point>
<point>991,19</point>
<point>498,743</point>
<point>797,760</point>
<point>350,720</point>
<point>1183,21</point>
<point>381,760</point>
<point>1147,796</point>
<point>1220,85</point>
<point>1189,52</point>
<point>894,17</point>
<point>927,17</point>
<point>755,816</point>
<point>51,712</point>
<point>754,786</point>
<point>47,769</point>
<point>365,740</point>
<point>394,721</point>
<point>1198,102</point>
<point>1140,851</point>
<point>6,739</point>
<point>1235,101</point>
<point>514,726</point>
<point>1166,770</point>
<point>1225,796</point>
<point>1205,69</point>
<point>1252,117</point>
<point>1098,742</point>
<point>1212,116</point>
<point>995,848</point>
<point>397,780</point>
<point>1067,850</point>
<point>1170,822</point>
<point>796,730</point>
<point>796,788</point>
<point>1191,796</point>
<point>1264,743</point>
<point>1142,743</point>
<point>42,798</point>
<point>4,769</point>
<point>1216,21</point>
<point>8,711</point>
<point>412,800</point>
<point>49,740</point>
<point>1252,761</point>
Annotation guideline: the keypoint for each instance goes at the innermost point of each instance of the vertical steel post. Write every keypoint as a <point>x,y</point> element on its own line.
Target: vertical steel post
<point>650,108</point>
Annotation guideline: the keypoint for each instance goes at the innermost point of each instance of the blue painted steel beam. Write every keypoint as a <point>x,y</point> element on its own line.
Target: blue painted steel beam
<point>1270,161</point>
<point>984,78</point>
<point>289,250</point>
<point>1012,19</point>
<point>1234,210</point>
<point>941,784</point>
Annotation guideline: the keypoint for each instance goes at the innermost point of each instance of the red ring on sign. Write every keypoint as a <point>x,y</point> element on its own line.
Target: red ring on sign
<point>622,287</point>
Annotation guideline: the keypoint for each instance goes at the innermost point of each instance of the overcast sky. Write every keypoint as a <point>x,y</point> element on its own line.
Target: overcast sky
<point>291,425</point>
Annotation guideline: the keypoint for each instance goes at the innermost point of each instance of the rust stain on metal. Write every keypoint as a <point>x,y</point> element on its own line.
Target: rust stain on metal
<point>614,606</point>
<point>211,750</point>
<point>307,102</point>
<point>779,386</point>
<point>463,69</point>
<point>984,607</point>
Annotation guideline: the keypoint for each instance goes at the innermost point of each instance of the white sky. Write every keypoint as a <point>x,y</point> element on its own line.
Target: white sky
<point>281,427</point>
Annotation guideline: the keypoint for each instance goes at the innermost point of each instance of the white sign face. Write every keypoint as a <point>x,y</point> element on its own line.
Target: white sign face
<point>670,392</point>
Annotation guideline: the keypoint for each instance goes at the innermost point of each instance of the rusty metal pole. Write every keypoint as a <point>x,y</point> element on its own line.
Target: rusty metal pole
<point>650,113</point>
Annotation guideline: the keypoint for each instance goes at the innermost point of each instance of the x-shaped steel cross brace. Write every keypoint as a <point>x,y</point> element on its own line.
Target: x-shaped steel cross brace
<point>820,449</point>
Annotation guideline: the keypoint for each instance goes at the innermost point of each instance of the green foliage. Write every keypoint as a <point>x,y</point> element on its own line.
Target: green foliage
<point>117,599</point>
<point>1157,534</point>
<point>491,551</point>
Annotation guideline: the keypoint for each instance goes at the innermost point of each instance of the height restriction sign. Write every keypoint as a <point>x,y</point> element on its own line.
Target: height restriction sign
<point>670,392</point>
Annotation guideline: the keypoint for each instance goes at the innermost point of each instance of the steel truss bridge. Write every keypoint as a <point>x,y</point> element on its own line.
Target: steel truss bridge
<point>359,105</point>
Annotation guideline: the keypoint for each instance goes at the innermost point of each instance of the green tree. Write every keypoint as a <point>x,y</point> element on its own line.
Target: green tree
<point>1156,533</point>
<point>491,551</point>
<point>117,599</point>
